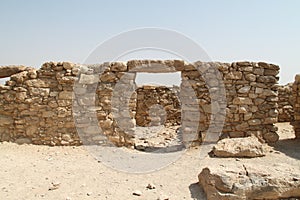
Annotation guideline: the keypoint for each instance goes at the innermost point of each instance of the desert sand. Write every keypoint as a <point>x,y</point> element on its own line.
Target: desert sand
<point>71,173</point>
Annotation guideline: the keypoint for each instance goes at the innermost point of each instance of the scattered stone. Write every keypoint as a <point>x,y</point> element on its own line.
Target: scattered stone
<point>89,194</point>
<point>54,185</point>
<point>248,147</point>
<point>137,193</point>
<point>296,178</point>
<point>151,186</point>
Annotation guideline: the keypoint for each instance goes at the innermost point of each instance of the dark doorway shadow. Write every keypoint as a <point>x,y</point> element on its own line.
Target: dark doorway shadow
<point>197,192</point>
<point>290,147</point>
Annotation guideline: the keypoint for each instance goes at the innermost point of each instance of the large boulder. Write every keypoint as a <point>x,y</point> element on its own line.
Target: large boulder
<point>249,181</point>
<point>247,147</point>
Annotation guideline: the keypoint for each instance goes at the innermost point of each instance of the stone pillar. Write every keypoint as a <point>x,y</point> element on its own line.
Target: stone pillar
<point>296,100</point>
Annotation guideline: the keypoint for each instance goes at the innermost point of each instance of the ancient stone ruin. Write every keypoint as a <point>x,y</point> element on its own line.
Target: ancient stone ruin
<point>72,104</point>
<point>51,105</point>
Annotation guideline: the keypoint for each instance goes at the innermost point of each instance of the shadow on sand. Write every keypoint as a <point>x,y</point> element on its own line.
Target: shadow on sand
<point>197,192</point>
<point>290,147</point>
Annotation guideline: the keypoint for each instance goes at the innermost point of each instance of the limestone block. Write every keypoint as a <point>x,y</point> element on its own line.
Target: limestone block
<point>250,77</point>
<point>7,71</point>
<point>67,95</point>
<point>234,75</point>
<point>242,100</point>
<point>248,147</point>
<point>68,65</point>
<point>6,120</point>
<point>254,122</point>
<point>89,79</point>
<point>118,67</point>
<point>244,89</point>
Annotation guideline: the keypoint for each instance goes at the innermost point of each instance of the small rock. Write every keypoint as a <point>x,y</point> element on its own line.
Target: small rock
<point>54,185</point>
<point>163,197</point>
<point>151,186</point>
<point>137,193</point>
<point>89,194</point>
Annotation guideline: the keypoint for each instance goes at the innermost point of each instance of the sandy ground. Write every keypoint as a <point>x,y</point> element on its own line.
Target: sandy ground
<point>42,172</point>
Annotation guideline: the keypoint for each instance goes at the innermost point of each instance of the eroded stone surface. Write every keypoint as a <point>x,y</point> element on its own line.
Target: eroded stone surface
<point>249,181</point>
<point>7,71</point>
<point>248,147</point>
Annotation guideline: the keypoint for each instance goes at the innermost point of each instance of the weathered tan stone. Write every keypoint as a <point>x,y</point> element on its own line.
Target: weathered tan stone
<point>248,147</point>
<point>65,95</point>
<point>6,120</point>
<point>108,77</point>
<point>271,137</point>
<point>38,83</point>
<point>7,71</point>
<point>23,141</point>
<point>242,100</point>
<point>89,79</point>
<point>267,79</point>
<point>68,65</point>
<point>250,77</point>
<point>248,181</point>
<point>118,67</point>
<point>244,89</point>
<point>254,122</point>
<point>235,75</point>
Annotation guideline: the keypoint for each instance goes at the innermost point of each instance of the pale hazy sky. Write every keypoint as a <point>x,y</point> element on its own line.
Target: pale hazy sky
<point>36,31</point>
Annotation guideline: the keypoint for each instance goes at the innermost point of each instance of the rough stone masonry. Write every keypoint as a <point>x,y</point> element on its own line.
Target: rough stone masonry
<point>285,103</point>
<point>42,106</point>
<point>296,105</point>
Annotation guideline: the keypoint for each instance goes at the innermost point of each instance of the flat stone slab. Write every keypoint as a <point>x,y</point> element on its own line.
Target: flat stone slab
<point>249,181</point>
<point>7,71</point>
<point>248,147</point>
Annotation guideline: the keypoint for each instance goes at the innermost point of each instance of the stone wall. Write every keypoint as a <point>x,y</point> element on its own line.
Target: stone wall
<point>296,105</point>
<point>149,113</point>
<point>285,103</point>
<point>36,106</point>
<point>42,106</point>
<point>251,99</point>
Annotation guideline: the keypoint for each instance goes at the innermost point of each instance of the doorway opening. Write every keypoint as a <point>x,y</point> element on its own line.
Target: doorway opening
<point>158,112</point>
